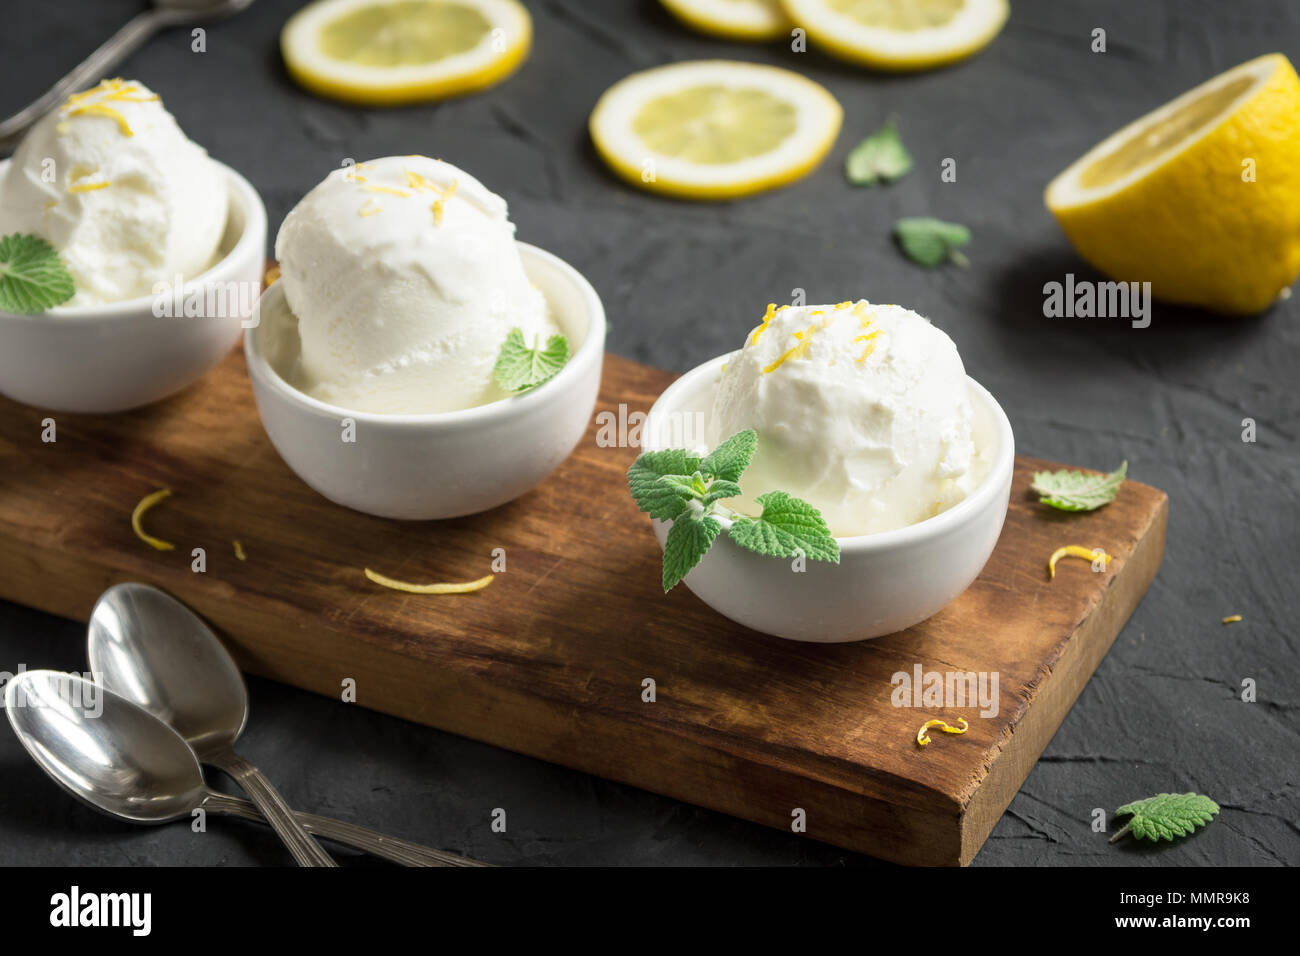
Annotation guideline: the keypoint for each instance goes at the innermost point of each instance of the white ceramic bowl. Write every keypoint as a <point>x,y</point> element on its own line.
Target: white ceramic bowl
<point>450,463</point>
<point>884,582</point>
<point>109,358</point>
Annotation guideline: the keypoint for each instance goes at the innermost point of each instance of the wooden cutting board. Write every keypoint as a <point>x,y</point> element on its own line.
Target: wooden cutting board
<point>550,659</point>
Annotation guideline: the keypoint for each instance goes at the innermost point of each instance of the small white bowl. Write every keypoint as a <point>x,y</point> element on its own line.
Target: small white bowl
<point>446,464</point>
<point>108,358</point>
<point>884,582</point>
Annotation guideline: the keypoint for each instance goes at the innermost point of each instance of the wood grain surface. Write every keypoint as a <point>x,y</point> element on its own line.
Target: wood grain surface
<point>550,659</point>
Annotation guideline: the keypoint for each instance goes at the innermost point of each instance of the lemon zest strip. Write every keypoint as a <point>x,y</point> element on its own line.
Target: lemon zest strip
<point>922,738</point>
<point>108,91</point>
<point>768,316</point>
<point>441,201</point>
<point>800,349</point>
<point>369,208</point>
<point>1233,619</point>
<point>444,588</point>
<point>1075,551</point>
<point>239,550</point>
<point>147,502</point>
<point>84,187</point>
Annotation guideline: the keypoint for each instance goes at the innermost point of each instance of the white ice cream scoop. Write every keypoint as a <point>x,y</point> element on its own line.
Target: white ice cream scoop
<point>862,410</point>
<point>405,280</point>
<point>127,199</point>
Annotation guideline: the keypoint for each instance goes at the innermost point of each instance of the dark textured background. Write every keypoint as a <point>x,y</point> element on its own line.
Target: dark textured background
<point>684,282</point>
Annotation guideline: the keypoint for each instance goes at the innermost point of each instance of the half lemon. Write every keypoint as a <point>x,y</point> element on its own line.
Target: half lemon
<point>389,52</point>
<point>899,34</point>
<point>714,129</point>
<point>1201,197</point>
<point>733,19</point>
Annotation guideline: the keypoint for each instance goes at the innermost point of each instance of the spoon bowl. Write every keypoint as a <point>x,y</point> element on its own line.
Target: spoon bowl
<point>153,650</point>
<point>102,749</point>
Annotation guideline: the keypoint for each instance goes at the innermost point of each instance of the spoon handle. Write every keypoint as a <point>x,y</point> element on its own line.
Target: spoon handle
<point>349,834</point>
<point>301,844</point>
<point>119,46</point>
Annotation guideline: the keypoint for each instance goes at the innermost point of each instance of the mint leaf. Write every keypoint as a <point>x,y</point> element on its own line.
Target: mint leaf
<point>32,276</point>
<point>688,540</point>
<point>1077,490</point>
<point>719,489</point>
<point>519,368</point>
<point>689,486</point>
<point>658,500</point>
<point>931,242</point>
<point>730,459</point>
<point>787,527</point>
<point>881,157</point>
<point>1166,815</point>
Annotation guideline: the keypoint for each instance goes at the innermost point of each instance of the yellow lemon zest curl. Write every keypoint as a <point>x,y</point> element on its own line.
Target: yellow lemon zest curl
<point>1232,619</point>
<point>147,502</point>
<point>239,550</point>
<point>406,586</point>
<point>1075,551</point>
<point>798,351</point>
<point>922,738</point>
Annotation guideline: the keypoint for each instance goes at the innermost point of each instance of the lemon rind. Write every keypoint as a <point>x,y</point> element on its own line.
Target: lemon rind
<point>697,16</point>
<point>609,125</point>
<point>1064,193</point>
<point>842,36</point>
<point>473,70</point>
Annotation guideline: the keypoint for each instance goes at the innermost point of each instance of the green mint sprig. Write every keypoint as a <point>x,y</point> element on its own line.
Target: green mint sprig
<point>674,485</point>
<point>32,276</point>
<point>519,368</point>
<point>880,158</point>
<point>1165,816</point>
<point>932,242</point>
<point>1076,490</point>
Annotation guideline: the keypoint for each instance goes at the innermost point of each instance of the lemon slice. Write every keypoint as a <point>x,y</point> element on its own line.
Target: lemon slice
<point>733,19</point>
<point>714,129</point>
<point>1201,197</point>
<point>386,52</point>
<point>899,34</point>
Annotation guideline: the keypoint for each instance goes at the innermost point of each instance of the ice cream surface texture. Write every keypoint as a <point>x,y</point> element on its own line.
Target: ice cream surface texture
<point>405,280</point>
<point>125,197</point>
<point>862,410</point>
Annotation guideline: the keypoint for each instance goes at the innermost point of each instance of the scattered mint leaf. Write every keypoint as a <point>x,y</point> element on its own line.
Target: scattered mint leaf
<point>881,157</point>
<point>931,242</point>
<point>658,500</point>
<point>787,527</point>
<point>32,276</point>
<point>730,459</point>
<point>1166,815</point>
<point>688,540</point>
<point>1076,490</point>
<point>520,368</point>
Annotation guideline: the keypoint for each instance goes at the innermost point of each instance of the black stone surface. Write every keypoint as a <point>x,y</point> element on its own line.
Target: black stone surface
<point>684,282</point>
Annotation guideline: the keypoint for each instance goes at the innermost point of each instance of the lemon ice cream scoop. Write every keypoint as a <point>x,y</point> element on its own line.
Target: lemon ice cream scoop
<point>405,280</point>
<point>111,181</point>
<point>861,410</point>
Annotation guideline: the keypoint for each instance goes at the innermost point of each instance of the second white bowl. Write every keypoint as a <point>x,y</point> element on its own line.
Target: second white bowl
<point>451,463</point>
<point>884,582</point>
<point>108,358</point>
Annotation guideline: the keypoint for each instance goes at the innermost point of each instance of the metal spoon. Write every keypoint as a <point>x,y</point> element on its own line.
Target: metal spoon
<point>165,13</point>
<point>121,760</point>
<point>149,648</point>
<point>153,650</point>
